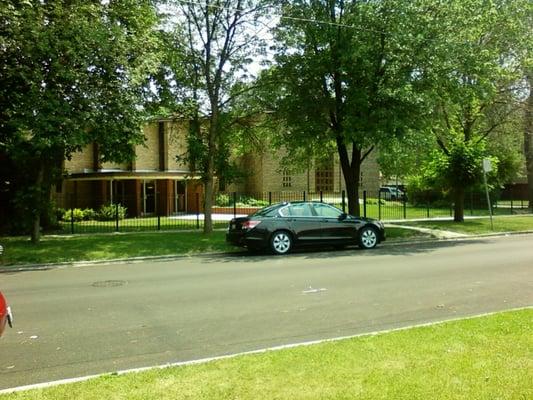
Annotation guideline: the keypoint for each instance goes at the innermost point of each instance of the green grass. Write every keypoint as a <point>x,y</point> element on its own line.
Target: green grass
<point>53,249</point>
<point>101,247</point>
<point>480,225</point>
<point>480,358</point>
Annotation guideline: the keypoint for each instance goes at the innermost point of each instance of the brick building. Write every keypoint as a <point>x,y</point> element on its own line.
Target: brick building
<point>155,183</point>
<point>266,174</point>
<point>158,183</point>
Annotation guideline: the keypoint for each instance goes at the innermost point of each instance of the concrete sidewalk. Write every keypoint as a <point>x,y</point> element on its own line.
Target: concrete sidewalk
<point>437,233</point>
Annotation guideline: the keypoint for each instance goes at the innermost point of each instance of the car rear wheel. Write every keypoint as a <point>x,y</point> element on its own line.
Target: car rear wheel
<point>280,242</point>
<point>368,238</point>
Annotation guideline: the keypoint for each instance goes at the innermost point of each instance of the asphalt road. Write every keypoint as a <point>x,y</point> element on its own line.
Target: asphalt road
<point>77,321</point>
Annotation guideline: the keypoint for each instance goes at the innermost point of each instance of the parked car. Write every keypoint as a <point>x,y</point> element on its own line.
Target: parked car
<point>282,226</point>
<point>6,318</point>
<point>392,193</point>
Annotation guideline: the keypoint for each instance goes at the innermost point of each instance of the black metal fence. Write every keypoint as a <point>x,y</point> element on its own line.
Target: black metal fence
<point>90,215</point>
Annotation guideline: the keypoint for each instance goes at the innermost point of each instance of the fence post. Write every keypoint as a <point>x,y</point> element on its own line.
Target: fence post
<point>269,198</point>
<point>116,217</point>
<point>404,207</point>
<point>197,210</point>
<point>427,206</point>
<point>158,222</point>
<point>472,202</point>
<point>304,196</point>
<point>343,201</point>
<point>72,221</point>
<point>379,205</point>
<point>364,203</point>
<point>234,204</point>
<point>511,206</point>
<point>321,198</point>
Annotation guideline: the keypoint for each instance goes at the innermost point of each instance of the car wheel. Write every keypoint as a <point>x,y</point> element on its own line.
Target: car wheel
<point>281,242</point>
<point>368,237</point>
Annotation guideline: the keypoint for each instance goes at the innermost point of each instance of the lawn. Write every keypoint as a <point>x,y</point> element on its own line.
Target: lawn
<point>489,357</point>
<point>480,225</point>
<point>53,249</point>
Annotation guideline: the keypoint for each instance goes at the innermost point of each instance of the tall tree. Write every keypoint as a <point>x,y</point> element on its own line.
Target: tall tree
<point>474,69</point>
<point>346,78</point>
<point>216,39</point>
<point>72,73</point>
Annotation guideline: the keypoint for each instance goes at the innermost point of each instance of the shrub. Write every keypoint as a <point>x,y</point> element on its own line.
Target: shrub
<point>89,214</point>
<point>223,200</point>
<point>75,215</point>
<point>108,212</point>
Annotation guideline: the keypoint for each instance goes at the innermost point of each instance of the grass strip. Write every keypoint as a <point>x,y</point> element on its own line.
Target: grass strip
<point>112,246</point>
<point>480,358</point>
<point>54,249</point>
<point>480,225</point>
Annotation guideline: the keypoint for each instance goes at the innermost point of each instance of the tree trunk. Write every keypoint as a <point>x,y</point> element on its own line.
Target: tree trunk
<point>351,171</point>
<point>210,170</point>
<point>459,208</point>
<point>36,228</point>
<point>528,142</point>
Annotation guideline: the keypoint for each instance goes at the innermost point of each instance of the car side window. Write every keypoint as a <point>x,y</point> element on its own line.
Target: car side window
<point>325,210</point>
<point>300,210</point>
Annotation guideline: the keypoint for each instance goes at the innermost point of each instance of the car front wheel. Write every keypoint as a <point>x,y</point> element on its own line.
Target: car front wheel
<point>280,242</point>
<point>368,238</point>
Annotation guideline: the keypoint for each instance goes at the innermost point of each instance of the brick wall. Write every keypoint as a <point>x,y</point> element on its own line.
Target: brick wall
<point>148,154</point>
<point>176,134</point>
<point>81,161</point>
<point>265,174</point>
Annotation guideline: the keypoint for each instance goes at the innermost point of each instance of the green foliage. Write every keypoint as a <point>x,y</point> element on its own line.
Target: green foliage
<point>226,200</point>
<point>109,212</point>
<point>73,72</point>
<point>251,201</point>
<point>75,215</point>
<point>223,200</point>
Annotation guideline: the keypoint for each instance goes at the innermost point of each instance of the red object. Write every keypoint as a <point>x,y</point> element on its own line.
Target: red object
<point>5,314</point>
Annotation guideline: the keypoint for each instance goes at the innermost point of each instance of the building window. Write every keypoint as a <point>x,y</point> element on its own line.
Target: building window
<point>286,179</point>
<point>324,176</point>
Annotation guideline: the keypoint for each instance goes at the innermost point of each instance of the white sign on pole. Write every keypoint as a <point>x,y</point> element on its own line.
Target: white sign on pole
<point>487,165</point>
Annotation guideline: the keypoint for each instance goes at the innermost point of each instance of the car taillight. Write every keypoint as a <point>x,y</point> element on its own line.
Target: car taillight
<point>250,224</point>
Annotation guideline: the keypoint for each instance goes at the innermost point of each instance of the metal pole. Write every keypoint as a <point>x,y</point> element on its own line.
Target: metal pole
<point>321,199</point>
<point>488,199</point>
<point>379,205</point>
<point>343,201</point>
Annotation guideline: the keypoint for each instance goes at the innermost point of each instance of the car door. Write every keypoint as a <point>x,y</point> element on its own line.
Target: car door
<point>303,224</point>
<point>334,229</point>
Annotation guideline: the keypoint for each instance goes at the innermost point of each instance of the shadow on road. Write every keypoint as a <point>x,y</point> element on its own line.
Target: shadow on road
<point>404,249</point>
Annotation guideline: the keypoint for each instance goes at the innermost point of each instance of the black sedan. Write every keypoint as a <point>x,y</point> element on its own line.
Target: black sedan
<point>282,226</point>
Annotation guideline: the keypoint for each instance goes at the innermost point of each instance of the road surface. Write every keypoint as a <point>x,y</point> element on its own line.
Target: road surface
<point>78,321</point>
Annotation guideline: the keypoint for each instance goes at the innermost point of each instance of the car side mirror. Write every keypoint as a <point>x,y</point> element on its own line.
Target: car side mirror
<point>343,216</point>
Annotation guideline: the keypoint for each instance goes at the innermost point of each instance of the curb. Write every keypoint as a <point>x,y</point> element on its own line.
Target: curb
<point>171,257</point>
